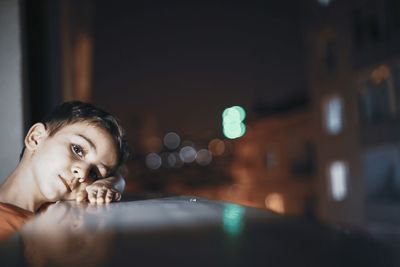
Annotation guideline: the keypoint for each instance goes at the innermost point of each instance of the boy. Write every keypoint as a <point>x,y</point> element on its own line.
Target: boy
<point>77,152</point>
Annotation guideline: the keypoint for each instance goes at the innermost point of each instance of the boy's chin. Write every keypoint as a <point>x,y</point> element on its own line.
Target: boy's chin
<point>54,195</point>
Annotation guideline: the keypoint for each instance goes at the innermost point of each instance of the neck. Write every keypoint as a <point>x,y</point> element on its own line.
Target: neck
<point>20,189</point>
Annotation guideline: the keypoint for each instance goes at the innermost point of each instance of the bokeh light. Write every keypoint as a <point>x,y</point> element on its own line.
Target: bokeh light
<point>233,131</point>
<point>203,157</point>
<point>153,161</point>
<point>232,122</point>
<point>216,147</point>
<point>171,160</point>
<point>172,140</point>
<point>164,160</point>
<point>275,202</point>
<point>242,112</point>
<point>231,115</point>
<point>187,154</point>
<point>234,113</point>
<point>178,162</point>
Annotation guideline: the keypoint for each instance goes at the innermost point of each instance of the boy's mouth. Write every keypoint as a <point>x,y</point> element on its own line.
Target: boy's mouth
<point>65,183</point>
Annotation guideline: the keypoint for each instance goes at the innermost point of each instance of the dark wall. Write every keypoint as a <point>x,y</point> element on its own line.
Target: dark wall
<point>42,58</point>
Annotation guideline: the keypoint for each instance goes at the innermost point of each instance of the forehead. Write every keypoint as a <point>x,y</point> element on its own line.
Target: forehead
<point>101,140</point>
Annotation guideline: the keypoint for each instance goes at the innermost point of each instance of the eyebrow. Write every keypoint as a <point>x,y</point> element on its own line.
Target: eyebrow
<point>87,140</point>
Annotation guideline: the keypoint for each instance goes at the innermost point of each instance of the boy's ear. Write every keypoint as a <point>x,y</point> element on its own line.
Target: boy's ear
<point>35,136</point>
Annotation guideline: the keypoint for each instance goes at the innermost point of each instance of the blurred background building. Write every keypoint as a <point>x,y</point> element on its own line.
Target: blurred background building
<point>354,85</point>
<point>312,86</point>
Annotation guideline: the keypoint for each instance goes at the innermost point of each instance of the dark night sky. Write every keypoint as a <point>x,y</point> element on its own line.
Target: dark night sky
<point>185,63</point>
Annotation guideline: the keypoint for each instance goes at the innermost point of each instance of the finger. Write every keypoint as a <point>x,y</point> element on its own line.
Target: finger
<point>118,196</point>
<point>92,196</point>
<point>110,196</point>
<point>101,195</point>
<point>74,184</point>
<point>81,196</point>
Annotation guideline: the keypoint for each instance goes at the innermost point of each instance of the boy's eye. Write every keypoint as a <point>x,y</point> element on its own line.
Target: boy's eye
<point>77,150</point>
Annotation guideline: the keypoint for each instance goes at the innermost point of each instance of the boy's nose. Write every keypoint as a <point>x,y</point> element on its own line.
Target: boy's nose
<point>80,173</point>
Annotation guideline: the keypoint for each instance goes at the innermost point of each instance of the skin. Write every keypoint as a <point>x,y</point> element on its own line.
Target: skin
<point>74,163</point>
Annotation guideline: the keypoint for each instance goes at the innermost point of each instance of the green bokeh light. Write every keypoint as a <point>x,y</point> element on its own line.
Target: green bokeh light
<point>233,131</point>
<point>232,122</point>
<point>241,112</point>
<point>231,115</point>
<point>233,219</point>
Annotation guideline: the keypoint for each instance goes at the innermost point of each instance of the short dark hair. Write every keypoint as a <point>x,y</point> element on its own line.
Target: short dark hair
<point>76,111</point>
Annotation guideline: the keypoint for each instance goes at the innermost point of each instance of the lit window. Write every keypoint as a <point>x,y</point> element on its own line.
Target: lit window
<point>275,202</point>
<point>338,175</point>
<point>377,96</point>
<point>333,114</point>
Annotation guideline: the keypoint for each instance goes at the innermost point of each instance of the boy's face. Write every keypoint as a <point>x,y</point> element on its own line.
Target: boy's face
<point>77,152</point>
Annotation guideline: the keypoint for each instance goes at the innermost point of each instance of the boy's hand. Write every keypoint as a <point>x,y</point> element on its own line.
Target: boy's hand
<point>102,191</point>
